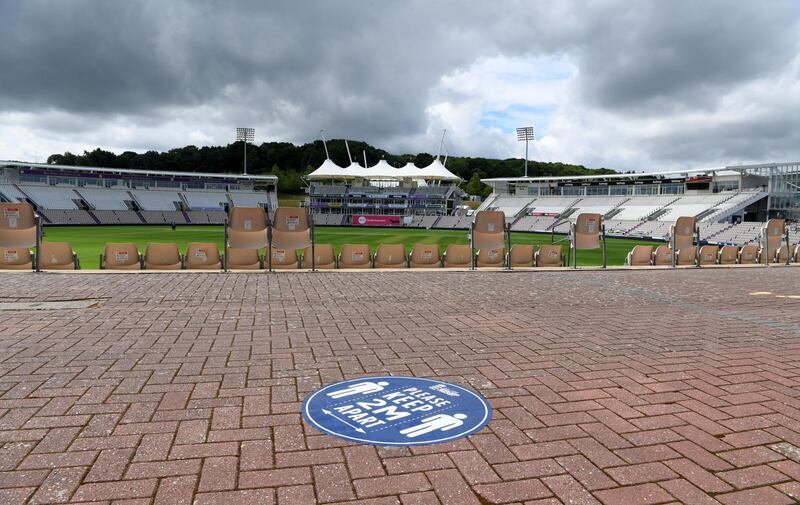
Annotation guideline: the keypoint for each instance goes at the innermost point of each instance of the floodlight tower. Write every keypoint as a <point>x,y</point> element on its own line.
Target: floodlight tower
<point>525,133</point>
<point>246,135</point>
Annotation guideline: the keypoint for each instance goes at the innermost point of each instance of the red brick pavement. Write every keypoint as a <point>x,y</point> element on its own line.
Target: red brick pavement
<point>607,387</point>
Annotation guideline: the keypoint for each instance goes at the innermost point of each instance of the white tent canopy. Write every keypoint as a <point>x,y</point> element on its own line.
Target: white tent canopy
<point>382,170</point>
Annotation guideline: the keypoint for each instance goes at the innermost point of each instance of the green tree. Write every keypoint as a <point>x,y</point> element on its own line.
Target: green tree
<point>475,186</point>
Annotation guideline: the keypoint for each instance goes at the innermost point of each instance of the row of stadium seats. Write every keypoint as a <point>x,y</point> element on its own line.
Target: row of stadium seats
<point>51,256</point>
<point>750,254</point>
<point>291,229</point>
<point>69,197</point>
<point>206,256</point>
<point>774,247</point>
<point>629,207</point>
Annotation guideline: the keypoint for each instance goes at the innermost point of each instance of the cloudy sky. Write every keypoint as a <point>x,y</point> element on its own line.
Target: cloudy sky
<point>633,85</point>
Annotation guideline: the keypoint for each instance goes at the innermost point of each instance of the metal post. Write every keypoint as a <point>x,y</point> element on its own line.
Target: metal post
<point>38,222</point>
<point>269,240</point>
<point>603,237</point>
<point>472,245</point>
<point>508,241</point>
<point>673,243</point>
<point>349,158</point>
<point>245,135</point>
<point>324,144</point>
<point>788,251</point>
<point>225,246</point>
<point>313,242</point>
<point>697,247</point>
<point>572,246</point>
<point>526,157</point>
<point>526,134</point>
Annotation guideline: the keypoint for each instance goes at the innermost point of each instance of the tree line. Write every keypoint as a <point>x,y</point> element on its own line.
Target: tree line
<point>291,162</point>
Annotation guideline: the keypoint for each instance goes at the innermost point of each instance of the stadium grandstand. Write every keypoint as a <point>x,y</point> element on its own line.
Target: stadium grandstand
<point>383,195</point>
<point>72,195</point>
<point>730,204</point>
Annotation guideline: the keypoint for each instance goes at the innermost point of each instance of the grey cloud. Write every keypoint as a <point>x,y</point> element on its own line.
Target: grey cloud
<point>367,70</point>
<point>660,57</point>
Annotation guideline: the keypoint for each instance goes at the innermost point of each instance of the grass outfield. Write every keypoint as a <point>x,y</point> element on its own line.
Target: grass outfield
<point>88,241</point>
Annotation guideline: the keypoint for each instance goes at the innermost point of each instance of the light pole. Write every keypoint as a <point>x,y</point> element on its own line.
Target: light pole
<point>525,133</point>
<point>246,135</point>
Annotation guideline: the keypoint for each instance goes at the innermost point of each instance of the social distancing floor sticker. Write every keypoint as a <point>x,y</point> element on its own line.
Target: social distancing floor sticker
<point>396,410</point>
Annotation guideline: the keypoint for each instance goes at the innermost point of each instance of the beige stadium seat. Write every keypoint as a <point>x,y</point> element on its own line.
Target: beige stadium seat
<point>663,256</point>
<point>390,256</point>
<point>325,257</point>
<point>785,254</point>
<point>57,256</point>
<point>425,256</point>
<point>748,255</point>
<point>683,234</point>
<point>457,256</point>
<point>247,228</point>
<point>202,256</point>
<point>355,256</point>
<point>587,234</point>
<point>491,257</point>
<point>640,256</point>
<point>291,228</point>
<point>17,225</point>
<point>488,230</point>
<point>550,255</point>
<point>687,256</point>
<point>521,256</point>
<point>243,259</point>
<point>120,256</point>
<point>162,257</point>
<point>587,231</point>
<point>797,254</point>
<point>708,254</point>
<point>15,258</point>
<point>728,255</point>
<point>772,235</point>
<point>284,259</point>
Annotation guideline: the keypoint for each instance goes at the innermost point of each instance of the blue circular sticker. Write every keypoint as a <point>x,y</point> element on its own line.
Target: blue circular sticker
<point>396,410</point>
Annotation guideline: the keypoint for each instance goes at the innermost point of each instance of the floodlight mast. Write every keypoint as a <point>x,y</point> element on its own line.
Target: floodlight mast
<point>246,135</point>
<point>525,133</point>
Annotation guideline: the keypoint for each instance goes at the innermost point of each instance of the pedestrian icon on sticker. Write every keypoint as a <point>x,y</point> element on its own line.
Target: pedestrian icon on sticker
<point>360,388</point>
<point>396,410</point>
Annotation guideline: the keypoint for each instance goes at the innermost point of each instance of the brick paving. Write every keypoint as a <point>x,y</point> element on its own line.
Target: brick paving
<point>616,387</point>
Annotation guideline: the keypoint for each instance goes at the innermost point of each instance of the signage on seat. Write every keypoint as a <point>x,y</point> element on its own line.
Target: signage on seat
<point>390,410</point>
<point>11,214</point>
<point>11,255</point>
<point>292,222</point>
<point>121,257</point>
